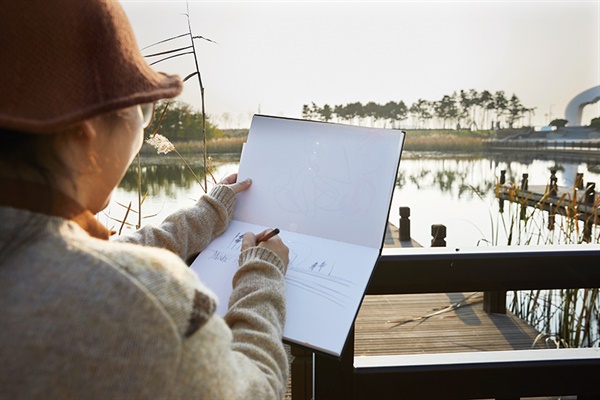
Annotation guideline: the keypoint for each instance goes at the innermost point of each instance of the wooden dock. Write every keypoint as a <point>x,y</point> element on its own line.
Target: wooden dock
<point>430,323</point>
<point>564,201</point>
<point>436,323</point>
<point>578,202</point>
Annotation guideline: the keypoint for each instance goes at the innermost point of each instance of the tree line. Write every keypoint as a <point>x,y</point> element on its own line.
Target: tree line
<point>181,122</point>
<point>468,109</point>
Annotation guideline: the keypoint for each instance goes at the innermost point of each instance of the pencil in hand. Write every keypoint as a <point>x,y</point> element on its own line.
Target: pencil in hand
<point>267,236</point>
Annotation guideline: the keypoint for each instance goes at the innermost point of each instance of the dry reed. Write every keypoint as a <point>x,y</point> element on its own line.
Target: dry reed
<point>567,317</point>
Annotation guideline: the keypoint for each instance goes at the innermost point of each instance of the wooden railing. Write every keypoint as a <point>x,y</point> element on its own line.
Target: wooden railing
<point>507,374</point>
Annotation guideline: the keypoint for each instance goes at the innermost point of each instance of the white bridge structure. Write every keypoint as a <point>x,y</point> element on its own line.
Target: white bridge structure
<point>574,110</point>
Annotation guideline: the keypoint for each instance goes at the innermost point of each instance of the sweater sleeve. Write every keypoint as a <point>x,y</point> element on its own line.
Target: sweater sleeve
<point>188,231</point>
<point>242,355</point>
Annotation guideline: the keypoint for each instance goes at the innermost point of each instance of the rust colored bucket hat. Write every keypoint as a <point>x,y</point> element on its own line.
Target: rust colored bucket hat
<point>64,61</point>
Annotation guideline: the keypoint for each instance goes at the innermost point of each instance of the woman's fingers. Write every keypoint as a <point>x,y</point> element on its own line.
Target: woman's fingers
<point>241,186</point>
<point>249,240</point>
<point>275,244</point>
<point>231,181</point>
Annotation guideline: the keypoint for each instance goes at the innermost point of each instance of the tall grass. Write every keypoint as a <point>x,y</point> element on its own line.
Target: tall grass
<point>550,220</point>
<point>442,143</point>
<point>567,317</point>
<point>213,146</point>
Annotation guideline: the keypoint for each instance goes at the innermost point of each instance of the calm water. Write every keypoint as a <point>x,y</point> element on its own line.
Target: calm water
<point>454,190</point>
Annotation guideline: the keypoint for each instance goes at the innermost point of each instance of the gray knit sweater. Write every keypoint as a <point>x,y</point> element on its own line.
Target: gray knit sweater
<point>85,318</point>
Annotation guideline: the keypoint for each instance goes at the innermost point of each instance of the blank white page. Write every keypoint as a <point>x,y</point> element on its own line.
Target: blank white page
<point>327,180</point>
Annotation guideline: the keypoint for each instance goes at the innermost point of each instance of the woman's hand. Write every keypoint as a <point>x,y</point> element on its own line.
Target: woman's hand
<point>275,244</point>
<point>231,181</point>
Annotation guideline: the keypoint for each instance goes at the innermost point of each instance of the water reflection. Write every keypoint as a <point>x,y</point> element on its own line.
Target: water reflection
<point>455,190</point>
<point>460,178</point>
<point>459,192</point>
<point>163,179</point>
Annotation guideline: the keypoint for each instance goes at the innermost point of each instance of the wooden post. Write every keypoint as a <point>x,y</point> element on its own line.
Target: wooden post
<point>551,217</point>
<point>590,198</point>
<point>301,373</point>
<point>587,230</point>
<point>524,182</point>
<point>494,302</point>
<point>579,180</point>
<point>438,232</point>
<point>553,183</point>
<point>334,378</point>
<point>502,182</point>
<point>590,193</point>
<point>404,229</point>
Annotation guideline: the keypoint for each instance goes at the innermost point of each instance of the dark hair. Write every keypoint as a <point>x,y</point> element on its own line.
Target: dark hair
<point>23,154</point>
<point>22,151</point>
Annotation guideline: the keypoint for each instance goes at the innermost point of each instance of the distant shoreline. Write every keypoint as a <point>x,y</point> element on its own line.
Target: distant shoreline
<point>416,140</point>
<point>448,140</point>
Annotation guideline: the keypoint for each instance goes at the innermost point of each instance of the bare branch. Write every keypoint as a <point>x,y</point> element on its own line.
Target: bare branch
<point>203,38</point>
<point>190,76</point>
<point>125,218</point>
<point>168,51</point>
<point>167,58</point>
<point>166,40</point>
<point>162,116</point>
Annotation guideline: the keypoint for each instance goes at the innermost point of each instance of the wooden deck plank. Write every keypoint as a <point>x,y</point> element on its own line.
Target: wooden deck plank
<point>468,328</point>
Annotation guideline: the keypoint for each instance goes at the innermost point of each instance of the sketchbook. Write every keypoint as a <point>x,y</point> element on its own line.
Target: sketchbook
<point>328,188</point>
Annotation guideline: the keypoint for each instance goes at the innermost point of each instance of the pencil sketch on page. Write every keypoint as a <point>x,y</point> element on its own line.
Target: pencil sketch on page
<point>310,270</point>
<point>315,274</point>
<point>311,187</point>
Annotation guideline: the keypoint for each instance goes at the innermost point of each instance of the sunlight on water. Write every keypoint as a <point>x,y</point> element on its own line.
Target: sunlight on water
<point>169,186</point>
<point>457,191</point>
<point>444,191</point>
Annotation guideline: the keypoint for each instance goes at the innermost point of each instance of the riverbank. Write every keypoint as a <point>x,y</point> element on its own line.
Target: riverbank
<point>416,140</point>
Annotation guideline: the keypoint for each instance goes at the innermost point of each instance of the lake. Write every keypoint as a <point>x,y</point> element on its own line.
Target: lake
<point>456,190</point>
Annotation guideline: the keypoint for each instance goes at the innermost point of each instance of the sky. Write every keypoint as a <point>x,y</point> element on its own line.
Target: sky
<point>272,57</point>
